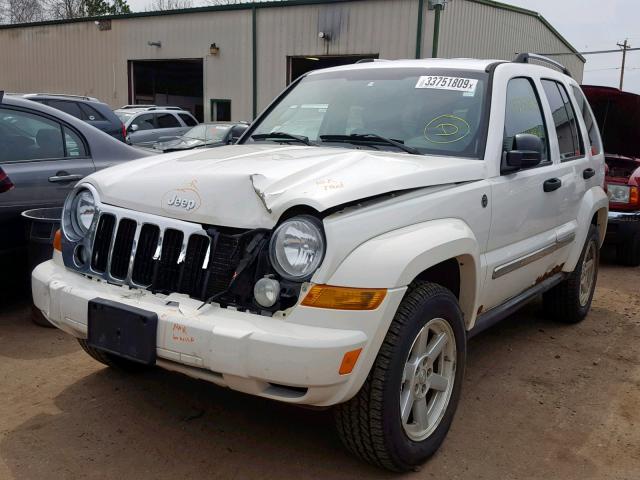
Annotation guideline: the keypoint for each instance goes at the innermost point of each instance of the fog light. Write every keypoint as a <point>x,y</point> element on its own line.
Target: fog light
<point>81,255</point>
<point>266,292</point>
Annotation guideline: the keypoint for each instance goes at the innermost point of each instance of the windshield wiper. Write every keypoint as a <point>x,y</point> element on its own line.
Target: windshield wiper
<point>282,136</point>
<point>372,138</point>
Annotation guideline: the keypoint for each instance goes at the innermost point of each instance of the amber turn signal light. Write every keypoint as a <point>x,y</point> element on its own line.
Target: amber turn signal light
<point>344,298</point>
<point>634,196</point>
<point>349,361</point>
<point>57,241</point>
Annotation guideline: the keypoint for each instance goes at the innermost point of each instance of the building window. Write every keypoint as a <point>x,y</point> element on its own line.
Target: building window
<point>220,110</point>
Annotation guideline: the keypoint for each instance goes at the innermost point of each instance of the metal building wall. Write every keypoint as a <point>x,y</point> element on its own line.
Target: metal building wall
<point>384,27</point>
<point>79,58</point>
<point>478,30</point>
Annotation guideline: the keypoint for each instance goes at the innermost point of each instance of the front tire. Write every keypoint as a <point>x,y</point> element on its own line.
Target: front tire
<point>570,301</point>
<point>112,361</point>
<point>403,412</point>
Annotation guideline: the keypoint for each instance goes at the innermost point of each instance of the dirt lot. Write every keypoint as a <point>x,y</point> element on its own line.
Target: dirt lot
<point>541,400</point>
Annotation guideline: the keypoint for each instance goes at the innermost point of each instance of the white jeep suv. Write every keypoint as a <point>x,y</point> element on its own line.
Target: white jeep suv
<point>370,221</point>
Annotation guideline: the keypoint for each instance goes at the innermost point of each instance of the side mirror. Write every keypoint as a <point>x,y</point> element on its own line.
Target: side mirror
<point>134,127</point>
<point>526,152</point>
<point>236,133</point>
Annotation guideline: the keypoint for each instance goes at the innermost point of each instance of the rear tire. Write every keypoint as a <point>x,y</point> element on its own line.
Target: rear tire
<point>570,301</point>
<point>628,252</point>
<point>418,371</point>
<point>113,361</point>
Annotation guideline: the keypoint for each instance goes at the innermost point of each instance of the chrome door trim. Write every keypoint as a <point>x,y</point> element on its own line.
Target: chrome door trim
<point>525,260</point>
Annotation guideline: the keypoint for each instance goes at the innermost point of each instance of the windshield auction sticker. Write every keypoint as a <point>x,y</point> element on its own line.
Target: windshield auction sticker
<point>440,82</point>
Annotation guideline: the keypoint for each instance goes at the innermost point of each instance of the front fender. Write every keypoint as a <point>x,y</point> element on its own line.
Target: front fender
<point>594,201</point>
<point>396,258</point>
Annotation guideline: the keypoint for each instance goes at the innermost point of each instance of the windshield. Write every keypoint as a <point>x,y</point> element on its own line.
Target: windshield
<point>207,132</point>
<point>432,111</point>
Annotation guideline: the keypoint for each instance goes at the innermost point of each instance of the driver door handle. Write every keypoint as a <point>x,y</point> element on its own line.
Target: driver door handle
<point>62,177</point>
<point>552,184</point>
<point>588,173</point>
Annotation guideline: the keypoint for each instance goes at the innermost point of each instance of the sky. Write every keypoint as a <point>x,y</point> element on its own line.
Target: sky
<point>597,25</point>
<point>587,24</point>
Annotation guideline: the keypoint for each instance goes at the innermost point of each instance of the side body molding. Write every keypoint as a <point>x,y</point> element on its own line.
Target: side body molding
<point>396,258</point>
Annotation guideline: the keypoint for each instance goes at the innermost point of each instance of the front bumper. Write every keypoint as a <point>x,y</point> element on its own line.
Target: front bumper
<point>294,357</point>
<point>622,225</point>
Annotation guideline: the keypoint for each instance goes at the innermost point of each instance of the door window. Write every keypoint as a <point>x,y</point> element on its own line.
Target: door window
<point>524,115</point>
<point>144,122</point>
<point>188,120</point>
<point>564,118</point>
<point>25,136</point>
<point>592,127</point>
<point>167,120</point>
<point>90,113</point>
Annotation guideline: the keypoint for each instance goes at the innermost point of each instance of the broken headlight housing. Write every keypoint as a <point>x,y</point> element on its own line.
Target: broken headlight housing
<point>297,248</point>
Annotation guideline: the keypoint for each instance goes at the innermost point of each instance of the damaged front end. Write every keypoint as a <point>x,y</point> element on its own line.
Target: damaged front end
<point>165,256</point>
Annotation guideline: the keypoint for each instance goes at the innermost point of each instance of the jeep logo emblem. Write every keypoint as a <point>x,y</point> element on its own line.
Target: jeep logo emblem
<point>185,199</point>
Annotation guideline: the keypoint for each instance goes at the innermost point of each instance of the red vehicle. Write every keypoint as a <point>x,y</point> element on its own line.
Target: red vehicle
<point>618,116</point>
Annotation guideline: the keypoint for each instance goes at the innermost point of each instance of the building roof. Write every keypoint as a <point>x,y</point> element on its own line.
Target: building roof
<point>276,3</point>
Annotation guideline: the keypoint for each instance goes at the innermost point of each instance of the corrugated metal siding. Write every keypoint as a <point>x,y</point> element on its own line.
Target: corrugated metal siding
<point>78,58</point>
<point>384,27</point>
<point>475,30</point>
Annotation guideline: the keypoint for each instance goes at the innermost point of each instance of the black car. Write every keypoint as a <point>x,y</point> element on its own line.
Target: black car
<point>44,153</point>
<point>88,109</point>
<point>212,134</point>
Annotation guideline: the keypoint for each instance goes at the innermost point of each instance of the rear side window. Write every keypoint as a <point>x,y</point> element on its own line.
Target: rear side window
<point>524,115</point>
<point>73,144</point>
<point>90,113</point>
<point>71,108</point>
<point>592,127</point>
<point>188,120</point>
<point>564,118</point>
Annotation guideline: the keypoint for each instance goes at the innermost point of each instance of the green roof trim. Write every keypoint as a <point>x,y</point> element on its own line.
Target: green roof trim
<point>532,13</point>
<point>271,4</point>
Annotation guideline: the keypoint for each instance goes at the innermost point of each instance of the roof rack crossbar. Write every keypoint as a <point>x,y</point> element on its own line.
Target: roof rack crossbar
<point>526,57</point>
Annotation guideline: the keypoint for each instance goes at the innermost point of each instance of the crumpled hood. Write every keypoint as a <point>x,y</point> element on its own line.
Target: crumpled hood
<point>250,186</point>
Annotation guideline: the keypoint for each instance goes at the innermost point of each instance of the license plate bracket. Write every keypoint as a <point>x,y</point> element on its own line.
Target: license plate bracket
<point>122,330</point>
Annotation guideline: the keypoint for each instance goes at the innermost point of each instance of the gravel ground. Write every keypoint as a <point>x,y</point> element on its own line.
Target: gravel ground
<point>540,400</point>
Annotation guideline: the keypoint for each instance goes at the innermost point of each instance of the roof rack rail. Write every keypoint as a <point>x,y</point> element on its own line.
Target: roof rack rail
<point>371,60</point>
<point>69,95</point>
<point>525,57</point>
<point>126,107</point>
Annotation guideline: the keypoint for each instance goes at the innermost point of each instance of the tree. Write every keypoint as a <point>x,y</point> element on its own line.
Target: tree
<point>63,9</point>
<point>161,5</point>
<point>20,11</point>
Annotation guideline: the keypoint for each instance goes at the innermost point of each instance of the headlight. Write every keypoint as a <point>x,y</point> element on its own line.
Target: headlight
<point>297,248</point>
<point>619,193</point>
<point>78,213</point>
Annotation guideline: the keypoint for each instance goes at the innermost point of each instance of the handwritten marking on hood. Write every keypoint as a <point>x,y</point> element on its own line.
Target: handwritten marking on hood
<point>183,199</point>
<point>329,184</point>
